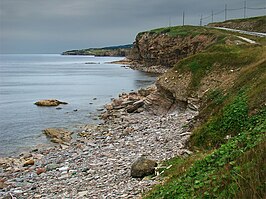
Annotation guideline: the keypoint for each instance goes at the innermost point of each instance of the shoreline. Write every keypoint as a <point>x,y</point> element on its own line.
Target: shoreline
<point>98,164</point>
<point>141,67</point>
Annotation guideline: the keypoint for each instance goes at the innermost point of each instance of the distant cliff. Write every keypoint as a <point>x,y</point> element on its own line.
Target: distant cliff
<point>114,51</point>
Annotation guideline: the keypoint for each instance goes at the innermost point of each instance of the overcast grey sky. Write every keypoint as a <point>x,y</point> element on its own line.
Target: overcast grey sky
<point>53,26</point>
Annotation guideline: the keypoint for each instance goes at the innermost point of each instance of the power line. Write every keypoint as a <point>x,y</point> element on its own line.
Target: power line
<point>226,10</point>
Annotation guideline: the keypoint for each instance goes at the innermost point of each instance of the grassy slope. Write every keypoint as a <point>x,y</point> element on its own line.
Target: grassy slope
<point>256,24</point>
<point>222,168</point>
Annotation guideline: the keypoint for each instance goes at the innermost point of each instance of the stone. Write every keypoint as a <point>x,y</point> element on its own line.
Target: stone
<point>49,102</point>
<point>59,136</point>
<point>28,163</point>
<point>2,184</point>
<point>50,167</point>
<point>108,107</point>
<point>82,193</point>
<point>40,170</point>
<point>143,167</point>
<point>62,169</point>
<point>132,108</point>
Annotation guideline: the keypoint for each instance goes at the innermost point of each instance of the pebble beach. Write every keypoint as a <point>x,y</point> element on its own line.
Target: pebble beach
<point>97,164</point>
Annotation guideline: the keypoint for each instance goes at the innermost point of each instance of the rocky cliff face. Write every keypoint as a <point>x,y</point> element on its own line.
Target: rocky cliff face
<point>200,61</point>
<point>162,49</point>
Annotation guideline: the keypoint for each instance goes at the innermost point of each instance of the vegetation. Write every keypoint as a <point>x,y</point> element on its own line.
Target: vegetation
<point>256,24</point>
<point>182,31</point>
<point>229,138</point>
<point>235,170</point>
<point>121,51</point>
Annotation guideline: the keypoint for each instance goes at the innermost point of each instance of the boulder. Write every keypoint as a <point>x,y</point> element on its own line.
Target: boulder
<point>40,171</point>
<point>143,167</point>
<point>132,108</point>
<point>49,102</point>
<point>59,136</point>
<point>28,163</point>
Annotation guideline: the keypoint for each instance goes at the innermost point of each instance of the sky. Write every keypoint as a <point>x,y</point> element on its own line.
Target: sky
<point>54,26</point>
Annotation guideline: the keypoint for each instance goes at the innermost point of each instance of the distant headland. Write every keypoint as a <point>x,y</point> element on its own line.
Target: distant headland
<point>115,51</point>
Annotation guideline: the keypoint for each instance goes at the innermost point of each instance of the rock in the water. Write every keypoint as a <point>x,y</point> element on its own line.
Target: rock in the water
<point>59,136</point>
<point>143,167</point>
<point>49,102</point>
<point>28,163</point>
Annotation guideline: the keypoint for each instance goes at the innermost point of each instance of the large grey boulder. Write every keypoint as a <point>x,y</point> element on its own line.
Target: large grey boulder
<point>143,167</point>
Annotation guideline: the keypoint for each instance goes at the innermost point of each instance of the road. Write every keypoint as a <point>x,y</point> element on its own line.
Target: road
<point>258,34</point>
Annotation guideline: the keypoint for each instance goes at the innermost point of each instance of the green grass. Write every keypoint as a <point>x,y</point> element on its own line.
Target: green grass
<point>217,57</point>
<point>256,24</point>
<point>231,120</point>
<point>225,172</point>
<point>181,31</point>
<point>229,136</point>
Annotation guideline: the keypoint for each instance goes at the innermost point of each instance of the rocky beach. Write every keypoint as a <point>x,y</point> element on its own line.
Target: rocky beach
<point>98,163</point>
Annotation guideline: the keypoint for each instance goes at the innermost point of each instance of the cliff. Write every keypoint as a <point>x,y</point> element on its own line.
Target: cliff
<point>166,46</point>
<point>222,75</point>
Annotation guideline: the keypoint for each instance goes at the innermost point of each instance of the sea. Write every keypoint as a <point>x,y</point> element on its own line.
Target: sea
<point>86,83</point>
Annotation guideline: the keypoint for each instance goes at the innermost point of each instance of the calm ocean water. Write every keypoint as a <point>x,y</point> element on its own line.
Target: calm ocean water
<point>25,79</point>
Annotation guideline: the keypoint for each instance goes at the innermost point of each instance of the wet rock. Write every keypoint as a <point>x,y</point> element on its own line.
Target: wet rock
<point>59,136</point>
<point>28,163</point>
<point>109,106</point>
<point>143,167</point>
<point>49,102</point>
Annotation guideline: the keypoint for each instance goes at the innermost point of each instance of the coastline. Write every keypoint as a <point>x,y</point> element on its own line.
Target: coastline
<point>100,159</point>
<point>156,69</point>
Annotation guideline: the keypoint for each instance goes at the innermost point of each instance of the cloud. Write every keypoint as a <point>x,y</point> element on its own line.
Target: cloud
<point>51,26</point>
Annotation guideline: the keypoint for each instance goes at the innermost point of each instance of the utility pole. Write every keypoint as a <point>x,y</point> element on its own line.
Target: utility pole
<point>245,8</point>
<point>183,18</point>
<point>169,21</point>
<point>201,20</point>
<point>225,12</point>
<point>212,16</point>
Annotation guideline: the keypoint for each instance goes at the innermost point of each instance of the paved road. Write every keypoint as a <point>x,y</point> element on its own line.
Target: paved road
<point>258,34</point>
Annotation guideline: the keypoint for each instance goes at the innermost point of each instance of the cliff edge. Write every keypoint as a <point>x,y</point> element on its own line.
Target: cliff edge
<point>222,75</point>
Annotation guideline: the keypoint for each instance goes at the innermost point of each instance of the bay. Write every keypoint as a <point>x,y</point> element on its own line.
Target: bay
<point>25,79</point>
